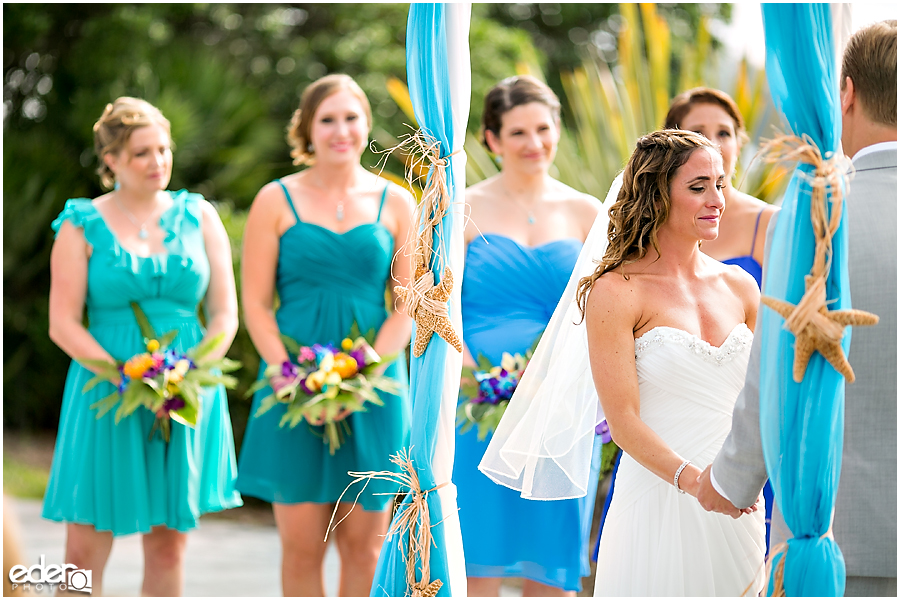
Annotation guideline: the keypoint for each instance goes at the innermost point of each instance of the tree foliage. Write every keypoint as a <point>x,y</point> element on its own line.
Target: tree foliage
<point>228,77</point>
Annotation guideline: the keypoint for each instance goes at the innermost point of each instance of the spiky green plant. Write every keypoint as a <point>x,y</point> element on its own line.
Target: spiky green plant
<point>608,106</point>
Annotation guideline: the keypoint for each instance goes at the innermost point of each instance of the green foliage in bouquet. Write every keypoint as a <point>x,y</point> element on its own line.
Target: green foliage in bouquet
<point>326,384</point>
<point>167,382</point>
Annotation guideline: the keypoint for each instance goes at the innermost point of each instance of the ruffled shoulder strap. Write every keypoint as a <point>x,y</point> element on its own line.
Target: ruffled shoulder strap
<point>81,212</point>
<point>186,212</point>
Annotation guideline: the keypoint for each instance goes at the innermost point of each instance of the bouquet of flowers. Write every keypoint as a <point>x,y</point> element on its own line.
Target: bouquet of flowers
<point>325,384</point>
<point>608,449</point>
<point>163,380</point>
<point>487,390</point>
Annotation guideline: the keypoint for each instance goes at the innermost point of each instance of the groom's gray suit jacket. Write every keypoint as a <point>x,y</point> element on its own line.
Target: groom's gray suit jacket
<point>865,520</point>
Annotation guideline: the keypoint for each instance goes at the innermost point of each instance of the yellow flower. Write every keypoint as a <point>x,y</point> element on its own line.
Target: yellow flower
<point>174,377</point>
<point>182,367</point>
<point>315,380</point>
<point>508,362</point>
<point>347,344</point>
<point>495,371</point>
<point>333,378</point>
<point>172,388</point>
<point>136,366</point>
<point>152,345</point>
<point>345,365</point>
<point>326,363</point>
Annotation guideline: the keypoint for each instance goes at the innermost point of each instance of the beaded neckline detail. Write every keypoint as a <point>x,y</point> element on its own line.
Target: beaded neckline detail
<point>740,338</point>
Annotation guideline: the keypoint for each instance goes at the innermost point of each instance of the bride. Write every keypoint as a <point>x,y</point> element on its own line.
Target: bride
<point>663,333</point>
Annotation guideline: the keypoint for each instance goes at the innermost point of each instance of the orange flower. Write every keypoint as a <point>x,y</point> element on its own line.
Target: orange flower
<point>136,366</point>
<point>345,365</point>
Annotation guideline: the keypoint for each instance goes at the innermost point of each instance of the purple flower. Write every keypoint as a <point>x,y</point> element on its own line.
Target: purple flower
<point>359,355</point>
<point>305,389</point>
<point>173,403</point>
<point>602,430</point>
<point>289,369</point>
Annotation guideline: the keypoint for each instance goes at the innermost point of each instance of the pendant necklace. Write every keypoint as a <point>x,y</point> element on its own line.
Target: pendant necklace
<point>528,211</point>
<point>339,211</point>
<point>142,227</point>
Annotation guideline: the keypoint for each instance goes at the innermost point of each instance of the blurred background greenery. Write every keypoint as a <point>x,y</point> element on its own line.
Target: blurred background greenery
<point>228,76</point>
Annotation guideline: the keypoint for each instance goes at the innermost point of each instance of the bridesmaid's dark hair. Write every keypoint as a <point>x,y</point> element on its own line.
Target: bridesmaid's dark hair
<point>510,93</point>
<point>299,129</point>
<point>643,203</point>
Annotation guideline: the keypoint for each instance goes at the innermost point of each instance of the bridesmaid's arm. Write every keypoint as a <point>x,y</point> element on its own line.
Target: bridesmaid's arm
<point>259,262</point>
<point>610,317</point>
<point>68,290</point>
<point>395,332</point>
<point>221,296</point>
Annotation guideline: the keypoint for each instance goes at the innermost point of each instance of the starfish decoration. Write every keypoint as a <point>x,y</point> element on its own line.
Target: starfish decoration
<point>420,590</point>
<point>818,329</point>
<point>427,304</point>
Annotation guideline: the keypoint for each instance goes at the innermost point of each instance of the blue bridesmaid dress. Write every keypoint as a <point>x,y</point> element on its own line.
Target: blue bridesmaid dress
<point>509,294</point>
<point>110,475</point>
<point>326,281</point>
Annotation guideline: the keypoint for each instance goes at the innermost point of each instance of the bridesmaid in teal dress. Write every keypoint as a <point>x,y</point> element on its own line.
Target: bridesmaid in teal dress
<point>324,240</point>
<point>525,233</point>
<point>167,251</point>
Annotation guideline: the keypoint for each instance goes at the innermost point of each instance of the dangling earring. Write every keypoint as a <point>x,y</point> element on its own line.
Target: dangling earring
<point>499,160</point>
<point>309,148</point>
<point>117,185</point>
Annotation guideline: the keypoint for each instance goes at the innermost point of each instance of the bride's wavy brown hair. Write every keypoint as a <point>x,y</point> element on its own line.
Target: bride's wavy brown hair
<point>643,203</point>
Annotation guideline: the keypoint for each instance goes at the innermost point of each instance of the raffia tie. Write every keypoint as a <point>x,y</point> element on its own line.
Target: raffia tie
<point>815,327</point>
<point>417,296</point>
<point>778,573</point>
<point>426,302</point>
<point>412,518</point>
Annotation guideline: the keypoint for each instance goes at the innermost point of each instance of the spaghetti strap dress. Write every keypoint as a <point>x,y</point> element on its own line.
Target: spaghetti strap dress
<point>111,475</point>
<point>509,292</point>
<point>325,281</point>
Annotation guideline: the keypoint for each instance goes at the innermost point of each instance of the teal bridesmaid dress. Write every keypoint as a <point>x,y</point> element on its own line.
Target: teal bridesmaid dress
<point>326,281</point>
<point>111,475</point>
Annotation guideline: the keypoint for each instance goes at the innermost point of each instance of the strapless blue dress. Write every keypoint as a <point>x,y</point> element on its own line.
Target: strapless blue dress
<point>326,281</point>
<point>509,293</point>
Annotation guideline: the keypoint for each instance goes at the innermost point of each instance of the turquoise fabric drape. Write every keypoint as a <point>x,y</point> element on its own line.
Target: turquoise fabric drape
<point>429,86</point>
<point>802,423</point>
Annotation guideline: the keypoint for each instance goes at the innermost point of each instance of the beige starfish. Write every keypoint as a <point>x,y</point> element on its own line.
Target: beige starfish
<point>427,321</point>
<point>427,591</point>
<point>820,330</point>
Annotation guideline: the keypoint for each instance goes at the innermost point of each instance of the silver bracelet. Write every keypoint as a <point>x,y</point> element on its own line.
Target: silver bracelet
<point>678,474</point>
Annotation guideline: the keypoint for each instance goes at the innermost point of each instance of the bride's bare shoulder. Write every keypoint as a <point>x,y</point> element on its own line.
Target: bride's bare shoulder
<point>615,295</point>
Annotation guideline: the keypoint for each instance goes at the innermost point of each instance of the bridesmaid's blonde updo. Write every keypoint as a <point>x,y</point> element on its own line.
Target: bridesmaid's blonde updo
<point>299,129</point>
<point>510,93</point>
<point>115,126</point>
<point>643,203</point>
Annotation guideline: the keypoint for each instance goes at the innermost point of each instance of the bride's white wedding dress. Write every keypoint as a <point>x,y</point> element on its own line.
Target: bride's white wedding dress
<point>657,542</point>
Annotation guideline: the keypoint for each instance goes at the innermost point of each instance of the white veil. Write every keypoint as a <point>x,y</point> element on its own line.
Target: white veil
<point>542,446</point>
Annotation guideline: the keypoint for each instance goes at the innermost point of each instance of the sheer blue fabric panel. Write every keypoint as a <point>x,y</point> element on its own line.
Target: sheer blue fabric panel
<point>428,77</point>
<point>802,423</point>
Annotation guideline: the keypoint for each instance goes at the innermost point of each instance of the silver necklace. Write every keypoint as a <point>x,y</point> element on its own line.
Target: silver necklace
<point>339,211</point>
<point>142,227</point>
<point>527,211</point>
